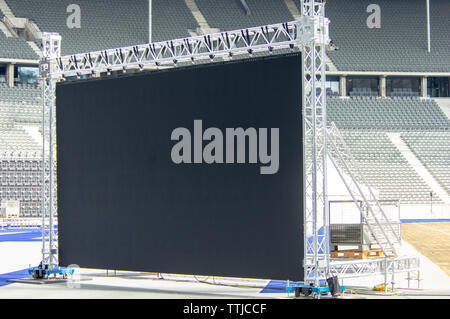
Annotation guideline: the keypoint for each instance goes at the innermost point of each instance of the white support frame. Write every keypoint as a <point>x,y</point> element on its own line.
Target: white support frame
<point>301,33</point>
<point>380,266</point>
<point>51,48</point>
<point>309,34</point>
<point>169,53</point>
<point>315,213</point>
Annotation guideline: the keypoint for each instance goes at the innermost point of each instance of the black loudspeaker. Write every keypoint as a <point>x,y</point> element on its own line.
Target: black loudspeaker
<point>306,291</point>
<point>333,284</point>
<point>38,274</point>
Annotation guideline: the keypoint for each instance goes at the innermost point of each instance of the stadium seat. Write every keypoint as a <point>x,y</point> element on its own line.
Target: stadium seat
<point>385,169</point>
<point>399,114</point>
<point>401,42</point>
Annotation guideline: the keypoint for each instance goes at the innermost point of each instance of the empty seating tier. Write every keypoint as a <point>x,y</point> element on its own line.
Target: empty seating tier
<point>104,23</point>
<point>231,15</point>
<point>15,48</point>
<point>433,150</point>
<point>21,180</point>
<point>385,168</point>
<point>400,44</point>
<point>397,114</point>
<point>171,20</point>
<point>25,94</point>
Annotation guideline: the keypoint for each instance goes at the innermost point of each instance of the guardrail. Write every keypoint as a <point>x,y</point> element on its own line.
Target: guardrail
<point>8,223</point>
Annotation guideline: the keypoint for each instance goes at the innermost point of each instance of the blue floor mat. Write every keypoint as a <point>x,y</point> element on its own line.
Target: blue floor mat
<point>275,286</point>
<point>425,220</point>
<point>20,235</point>
<point>23,273</point>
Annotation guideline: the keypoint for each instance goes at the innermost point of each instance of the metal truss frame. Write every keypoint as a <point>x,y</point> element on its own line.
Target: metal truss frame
<point>379,267</point>
<point>315,212</point>
<point>382,266</point>
<point>51,48</point>
<point>300,34</point>
<point>170,53</point>
<point>309,34</point>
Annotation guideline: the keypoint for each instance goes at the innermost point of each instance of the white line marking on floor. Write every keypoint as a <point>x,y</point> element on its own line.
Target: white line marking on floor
<point>433,229</point>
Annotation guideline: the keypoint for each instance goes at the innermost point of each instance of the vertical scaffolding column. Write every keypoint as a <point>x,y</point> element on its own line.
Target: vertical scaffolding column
<point>51,49</point>
<point>315,215</point>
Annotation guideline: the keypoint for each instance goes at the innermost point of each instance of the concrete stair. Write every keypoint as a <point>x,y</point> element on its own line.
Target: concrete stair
<point>204,27</point>
<point>444,104</point>
<point>16,22</point>
<point>421,170</point>
<point>5,9</point>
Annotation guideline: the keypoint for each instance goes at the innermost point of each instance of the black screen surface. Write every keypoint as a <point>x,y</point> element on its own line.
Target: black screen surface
<point>124,204</point>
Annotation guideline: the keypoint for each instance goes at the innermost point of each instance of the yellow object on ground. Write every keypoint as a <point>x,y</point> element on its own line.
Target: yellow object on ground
<point>380,288</point>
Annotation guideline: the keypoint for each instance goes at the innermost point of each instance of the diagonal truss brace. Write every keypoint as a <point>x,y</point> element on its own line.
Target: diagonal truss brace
<point>380,226</point>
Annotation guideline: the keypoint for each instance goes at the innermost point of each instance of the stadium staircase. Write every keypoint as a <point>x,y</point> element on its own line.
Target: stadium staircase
<point>421,170</point>
<point>293,9</point>
<point>385,169</point>
<point>230,15</point>
<point>10,22</point>
<point>5,9</point>
<point>432,149</point>
<point>444,104</point>
<point>204,27</point>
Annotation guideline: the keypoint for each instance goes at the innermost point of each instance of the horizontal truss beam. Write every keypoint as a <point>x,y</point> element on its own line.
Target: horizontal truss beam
<point>222,44</point>
<point>372,267</point>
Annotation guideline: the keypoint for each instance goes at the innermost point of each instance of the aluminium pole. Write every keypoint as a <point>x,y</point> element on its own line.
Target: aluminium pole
<point>150,20</point>
<point>51,49</point>
<point>315,217</point>
<point>52,195</point>
<point>43,168</point>
<point>325,206</point>
<point>428,27</point>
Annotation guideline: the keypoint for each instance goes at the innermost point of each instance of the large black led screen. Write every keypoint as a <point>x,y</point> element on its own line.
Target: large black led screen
<point>195,170</point>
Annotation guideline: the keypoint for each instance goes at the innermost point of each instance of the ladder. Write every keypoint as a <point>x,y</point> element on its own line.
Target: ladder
<point>380,228</point>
